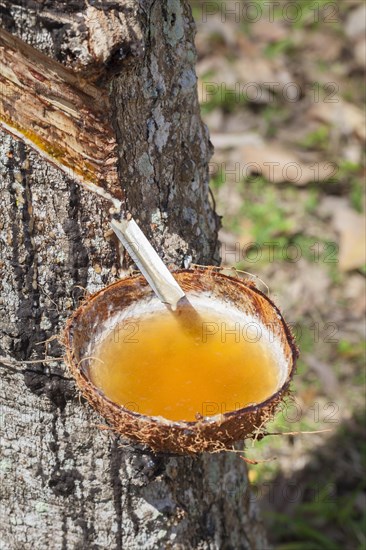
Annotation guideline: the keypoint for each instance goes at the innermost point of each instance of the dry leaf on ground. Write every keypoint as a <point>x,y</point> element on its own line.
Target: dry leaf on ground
<point>360,52</point>
<point>355,294</point>
<point>350,225</point>
<point>228,141</point>
<point>278,165</point>
<point>302,287</point>
<point>356,22</point>
<point>344,116</point>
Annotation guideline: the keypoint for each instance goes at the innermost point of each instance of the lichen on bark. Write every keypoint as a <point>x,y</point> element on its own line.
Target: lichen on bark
<point>160,131</point>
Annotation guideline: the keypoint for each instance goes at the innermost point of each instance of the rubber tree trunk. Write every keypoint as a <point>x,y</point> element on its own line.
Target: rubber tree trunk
<point>66,483</point>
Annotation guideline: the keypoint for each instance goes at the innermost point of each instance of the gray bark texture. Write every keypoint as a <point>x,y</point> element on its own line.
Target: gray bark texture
<point>66,483</point>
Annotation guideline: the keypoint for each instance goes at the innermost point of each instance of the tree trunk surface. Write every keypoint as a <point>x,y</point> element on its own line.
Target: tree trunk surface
<point>65,483</point>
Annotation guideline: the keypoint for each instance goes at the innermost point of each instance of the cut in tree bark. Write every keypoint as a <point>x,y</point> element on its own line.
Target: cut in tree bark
<point>61,116</point>
<point>65,483</point>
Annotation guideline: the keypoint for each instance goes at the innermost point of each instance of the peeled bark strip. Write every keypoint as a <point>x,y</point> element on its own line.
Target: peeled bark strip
<point>64,117</point>
<point>65,483</point>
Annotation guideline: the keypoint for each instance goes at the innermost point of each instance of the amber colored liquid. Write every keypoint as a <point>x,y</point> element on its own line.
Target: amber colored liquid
<point>155,368</point>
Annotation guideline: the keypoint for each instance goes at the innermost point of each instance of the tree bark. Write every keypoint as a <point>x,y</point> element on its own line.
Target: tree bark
<point>66,483</point>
